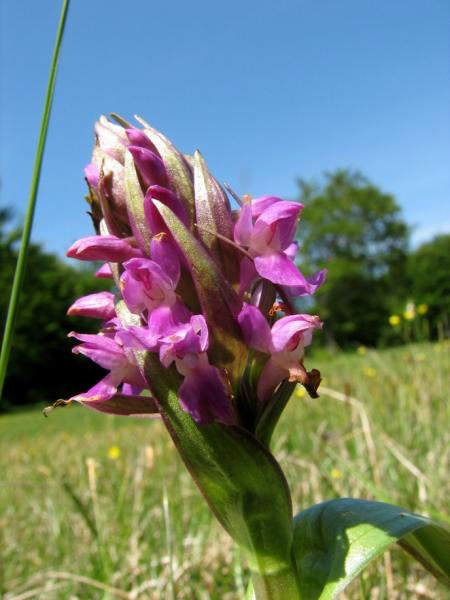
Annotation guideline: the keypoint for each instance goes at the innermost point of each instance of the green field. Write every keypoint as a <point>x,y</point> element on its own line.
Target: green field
<point>94,506</point>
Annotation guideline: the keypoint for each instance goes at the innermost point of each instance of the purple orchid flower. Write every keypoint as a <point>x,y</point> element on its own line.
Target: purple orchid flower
<point>285,343</point>
<point>266,227</point>
<point>148,286</point>
<point>106,351</point>
<point>203,393</point>
<point>99,305</point>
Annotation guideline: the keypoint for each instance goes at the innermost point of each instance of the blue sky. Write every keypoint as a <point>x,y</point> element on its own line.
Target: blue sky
<point>269,91</point>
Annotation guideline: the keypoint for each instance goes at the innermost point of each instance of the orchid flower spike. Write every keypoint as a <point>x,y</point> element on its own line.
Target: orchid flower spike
<point>182,262</point>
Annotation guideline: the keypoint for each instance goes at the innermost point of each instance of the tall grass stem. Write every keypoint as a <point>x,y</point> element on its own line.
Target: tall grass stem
<point>25,242</point>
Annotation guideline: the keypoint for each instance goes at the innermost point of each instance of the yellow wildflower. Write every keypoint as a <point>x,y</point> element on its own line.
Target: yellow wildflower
<point>394,320</point>
<point>409,314</point>
<point>114,452</point>
<point>370,372</point>
<point>335,473</point>
<point>422,309</point>
<point>362,350</point>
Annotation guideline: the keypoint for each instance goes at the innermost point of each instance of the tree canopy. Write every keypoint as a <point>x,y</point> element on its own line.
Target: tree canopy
<point>356,231</point>
<point>429,277</point>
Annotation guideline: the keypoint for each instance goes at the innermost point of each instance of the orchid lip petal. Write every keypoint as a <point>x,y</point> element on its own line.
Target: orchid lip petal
<point>278,268</point>
<point>313,282</point>
<point>101,391</point>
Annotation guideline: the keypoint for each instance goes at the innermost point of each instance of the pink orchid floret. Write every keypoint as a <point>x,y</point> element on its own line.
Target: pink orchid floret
<point>107,351</point>
<point>148,288</point>
<point>285,342</point>
<point>266,227</point>
<point>203,393</point>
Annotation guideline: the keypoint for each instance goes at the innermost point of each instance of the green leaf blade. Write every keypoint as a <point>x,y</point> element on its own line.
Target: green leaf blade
<point>334,541</point>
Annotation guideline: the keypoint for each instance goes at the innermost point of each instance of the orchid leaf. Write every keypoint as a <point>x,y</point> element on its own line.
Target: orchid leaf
<point>135,205</point>
<point>220,303</point>
<point>335,540</point>
<point>178,170</point>
<point>213,216</point>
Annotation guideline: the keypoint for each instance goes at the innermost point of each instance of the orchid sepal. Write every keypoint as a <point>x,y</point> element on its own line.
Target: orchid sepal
<point>213,216</point>
<point>135,205</point>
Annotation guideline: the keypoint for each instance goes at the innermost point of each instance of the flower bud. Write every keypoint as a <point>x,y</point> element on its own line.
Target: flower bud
<point>100,305</point>
<point>102,247</point>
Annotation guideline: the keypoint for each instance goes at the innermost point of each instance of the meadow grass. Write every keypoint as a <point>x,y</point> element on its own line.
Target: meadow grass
<point>100,507</point>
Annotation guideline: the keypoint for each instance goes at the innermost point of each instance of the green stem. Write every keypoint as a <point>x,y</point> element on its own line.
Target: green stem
<point>25,242</point>
<point>275,586</point>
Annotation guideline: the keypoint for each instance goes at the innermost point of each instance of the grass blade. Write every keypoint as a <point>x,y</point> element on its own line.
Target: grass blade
<point>23,252</point>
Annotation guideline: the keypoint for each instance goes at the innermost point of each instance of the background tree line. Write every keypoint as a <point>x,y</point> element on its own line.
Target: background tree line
<point>348,225</point>
<point>375,281</point>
